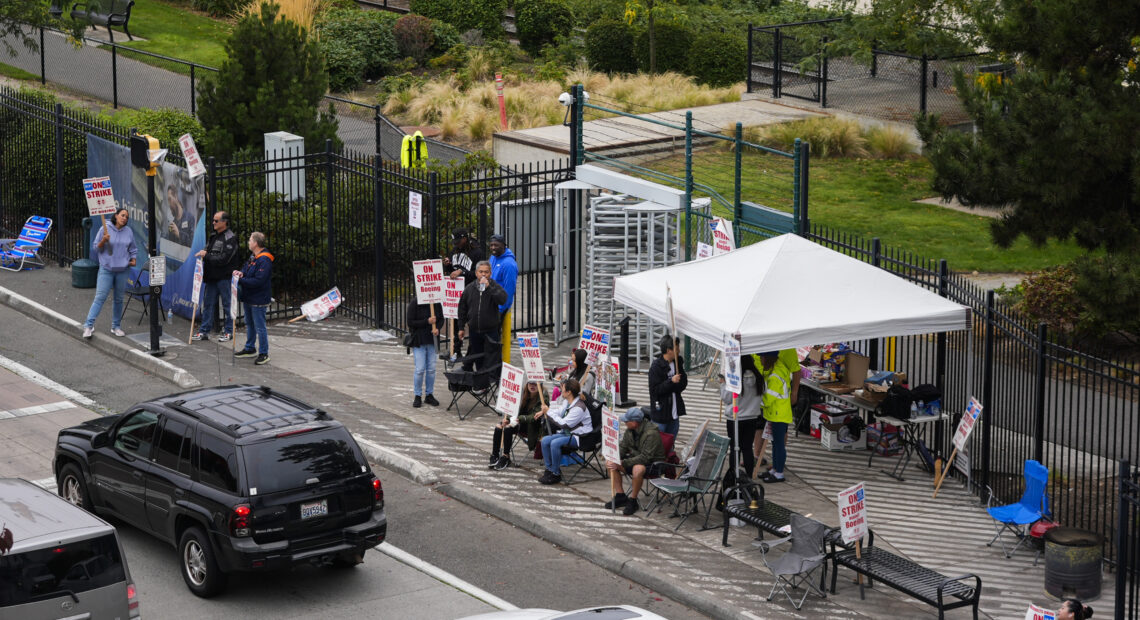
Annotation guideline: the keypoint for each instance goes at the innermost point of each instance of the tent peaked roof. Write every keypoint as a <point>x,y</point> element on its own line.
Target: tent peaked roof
<point>787,292</point>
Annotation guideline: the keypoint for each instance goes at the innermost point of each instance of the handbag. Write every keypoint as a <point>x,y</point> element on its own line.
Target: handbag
<point>410,339</point>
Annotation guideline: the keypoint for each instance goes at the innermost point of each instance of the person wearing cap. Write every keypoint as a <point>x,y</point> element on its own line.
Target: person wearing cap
<point>465,254</point>
<point>505,271</point>
<point>777,410</point>
<point>667,379</point>
<point>528,423</point>
<point>641,454</point>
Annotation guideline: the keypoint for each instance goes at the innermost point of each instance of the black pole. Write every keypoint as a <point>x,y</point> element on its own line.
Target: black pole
<point>823,74</point>
<point>1039,394</point>
<point>873,345</point>
<point>940,355</point>
<point>433,219</point>
<point>1123,540</point>
<point>922,90</point>
<point>114,75</point>
<point>43,62</point>
<point>330,232</point>
<point>376,120</point>
<point>59,238</point>
<point>805,169</point>
<point>378,227</point>
<point>623,365</point>
<point>152,243</point>
<point>988,413</point>
<point>193,93</point>
<point>748,71</point>
<point>573,249</point>
<point>777,65</point>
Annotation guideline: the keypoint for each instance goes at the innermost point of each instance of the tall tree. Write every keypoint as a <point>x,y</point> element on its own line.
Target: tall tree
<point>651,11</point>
<point>273,79</point>
<point>19,19</point>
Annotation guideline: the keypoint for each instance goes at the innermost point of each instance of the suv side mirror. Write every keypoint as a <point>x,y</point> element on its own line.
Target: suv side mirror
<point>100,440</point>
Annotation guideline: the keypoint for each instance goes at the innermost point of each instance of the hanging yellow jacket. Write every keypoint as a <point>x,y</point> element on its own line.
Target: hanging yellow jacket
<point>413,151</point>
<point>778,393</point>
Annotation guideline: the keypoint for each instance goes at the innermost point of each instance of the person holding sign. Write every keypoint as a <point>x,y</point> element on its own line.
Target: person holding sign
<point>749,404</point>
<point>529,423</point>
<point>423,330</point>
<point>256,294</point>
<point>777,410</point>
<point>580,372</point>
<point>479,313</point>
<point>220,259</point>
<point>115,246</point>
<point>667,379</point>
<point>569,423</point>
<point>1073,609</point>
<point>641,453</point>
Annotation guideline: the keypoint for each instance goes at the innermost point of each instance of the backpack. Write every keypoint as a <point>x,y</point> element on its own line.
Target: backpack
<point>925,393</point>
<point>896,404</point>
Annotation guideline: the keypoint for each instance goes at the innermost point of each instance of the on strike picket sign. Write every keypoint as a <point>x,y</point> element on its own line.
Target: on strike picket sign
<point>452,291</point>
<point>1037,613</point>
<point>853,513</point>
<point>429,281</point>
<point>197,279</point>
<point>723,241</point>
<point>733,377</point>
<point>321,307</point>
<point>100,198</point>
<point>193,158</point>
<point>611,435</point>
<point>531,355</point>
<point>596,342</point>
<point>510,391</point>
<point>973,410</point>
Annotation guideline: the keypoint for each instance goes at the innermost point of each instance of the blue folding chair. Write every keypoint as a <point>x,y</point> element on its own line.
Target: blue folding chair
<point>1016,518</point>
<point>24,252</point>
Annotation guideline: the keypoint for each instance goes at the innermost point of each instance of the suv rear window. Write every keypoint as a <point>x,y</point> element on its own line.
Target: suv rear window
<point>46,573</point>
<point>285,463</point>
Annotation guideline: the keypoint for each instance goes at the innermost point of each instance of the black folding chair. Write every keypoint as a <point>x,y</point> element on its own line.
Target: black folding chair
<point>482,385</point>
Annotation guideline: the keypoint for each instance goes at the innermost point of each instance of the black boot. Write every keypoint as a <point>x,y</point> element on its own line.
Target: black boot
<point>618,501</point>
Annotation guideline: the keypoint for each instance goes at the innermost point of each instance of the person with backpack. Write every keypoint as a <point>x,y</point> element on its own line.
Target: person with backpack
<point>568,423</point>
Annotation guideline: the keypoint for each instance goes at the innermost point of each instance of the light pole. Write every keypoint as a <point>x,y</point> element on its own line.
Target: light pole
<point>146,154</point>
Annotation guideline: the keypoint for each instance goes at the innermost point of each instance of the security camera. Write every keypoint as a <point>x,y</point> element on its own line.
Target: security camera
<point>565,99</point>
<point>585,97</point>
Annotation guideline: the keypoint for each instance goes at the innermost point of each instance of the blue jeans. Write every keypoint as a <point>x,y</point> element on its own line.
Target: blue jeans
<point>779,446</point>
<point>104,284</point>
<point>552,451</point>
<point>671,427</point>
<point>255,327</point>
<point>211,292</point>
<point>425,369</point>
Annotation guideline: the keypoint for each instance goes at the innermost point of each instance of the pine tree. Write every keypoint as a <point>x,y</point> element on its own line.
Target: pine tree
<point>273,79</point>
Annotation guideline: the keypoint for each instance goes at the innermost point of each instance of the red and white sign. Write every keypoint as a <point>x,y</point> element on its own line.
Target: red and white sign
<point>452,291</point>
<point>723,239</point>
<point>730,365</point>
<point>611,435</point>
<point>704,250</point>
<point>511,383</point>
<point>596,342</point>
<point>192,156</point>
<point>973,410</point>
<point>853,513</point>
<point>100,198</point>
<point>320,308</point>
<point>429,281</point>
<point>531,355</point>
<point>233,294</point>
<point>415,209</point>
<point>1038,613</point>
<point>197,280</point>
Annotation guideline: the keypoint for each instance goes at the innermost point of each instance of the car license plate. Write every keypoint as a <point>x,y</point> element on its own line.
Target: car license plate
<point>315,509</point>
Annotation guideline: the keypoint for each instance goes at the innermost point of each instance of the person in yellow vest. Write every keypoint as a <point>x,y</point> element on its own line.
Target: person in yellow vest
<point>777,410</point>
<point>792,360</point>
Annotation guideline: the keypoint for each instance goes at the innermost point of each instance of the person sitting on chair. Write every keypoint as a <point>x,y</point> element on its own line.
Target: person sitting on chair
<point>641,451</point>
<point>566,423</point>
<point>578,370</point>
<point>529,423</point>
<point>479,311</point>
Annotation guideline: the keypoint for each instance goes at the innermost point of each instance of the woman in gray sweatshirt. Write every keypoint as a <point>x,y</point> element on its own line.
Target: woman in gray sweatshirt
<point>115,246</point>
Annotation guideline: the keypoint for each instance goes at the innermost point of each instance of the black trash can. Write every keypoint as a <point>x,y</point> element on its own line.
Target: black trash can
<point>85,272</point>
<point>1073,561</point>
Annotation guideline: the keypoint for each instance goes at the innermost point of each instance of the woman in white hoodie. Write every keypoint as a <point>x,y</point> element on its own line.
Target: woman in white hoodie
<point>749,404</point>
<point>567,422</point>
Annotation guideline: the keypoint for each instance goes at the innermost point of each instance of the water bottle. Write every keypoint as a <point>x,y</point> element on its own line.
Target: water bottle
<point>913,410</point>
<point>170,315</point>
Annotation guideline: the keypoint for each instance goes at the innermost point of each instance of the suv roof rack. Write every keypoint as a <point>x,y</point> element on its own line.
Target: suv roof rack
<point>319,414</point>
<point>237,416</point>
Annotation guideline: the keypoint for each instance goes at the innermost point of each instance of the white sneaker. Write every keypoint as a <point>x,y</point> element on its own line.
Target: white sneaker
<point>88,332</point>
<point>118,332</point>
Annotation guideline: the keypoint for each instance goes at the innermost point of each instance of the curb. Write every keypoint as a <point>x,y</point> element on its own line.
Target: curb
<point>148,363</point>
<point>593,551</point>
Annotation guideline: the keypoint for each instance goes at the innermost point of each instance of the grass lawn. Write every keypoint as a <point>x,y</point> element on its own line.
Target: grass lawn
<point>171,29</point>
<point>17,73</point>
<point>875,198</point>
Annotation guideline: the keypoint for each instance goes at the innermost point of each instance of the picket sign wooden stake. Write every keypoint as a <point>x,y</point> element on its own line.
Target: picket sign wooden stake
<point>938,481</point>
<point>296,318</point>
<point>192,316</point>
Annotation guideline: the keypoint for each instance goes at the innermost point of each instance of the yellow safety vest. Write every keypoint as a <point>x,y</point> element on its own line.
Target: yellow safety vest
<point>413,151</point>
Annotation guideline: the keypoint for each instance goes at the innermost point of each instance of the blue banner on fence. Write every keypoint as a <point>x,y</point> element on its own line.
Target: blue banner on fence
<point>179,210</point>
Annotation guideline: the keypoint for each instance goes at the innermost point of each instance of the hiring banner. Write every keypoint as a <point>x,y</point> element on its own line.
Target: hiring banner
<point>733,377</point>
<point>611,435</point>
<point>100,198</point>
<point>973,410</point>
<point>429,281</point>
<point>596,342</point>
<point>510,390</point>
<point>193,158</point>
<point>1037,613</point>
<point>197,280</point>
<point>531,356</point>
<point>723,240</point>
<point>452,291</point>
<point>853,513</point>
<point>320,308</point>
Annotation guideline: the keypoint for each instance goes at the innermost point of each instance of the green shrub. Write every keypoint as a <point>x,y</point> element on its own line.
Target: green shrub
<point>444,37</point>
<point>672,49</point>
<point>436,9</point>
<point>539,21</point>
<point>567,50</point>
<point>484,15</point>
<point>220,8</point>
<point>586,12</point>
<point>889,143</point>
<point>345,64</point>
<point>168,125</point>
<point>1050,296</point>
<point>718,58</point>
<point>368,32</point>
<point>609,46</point>
<point>828,137</point>
<point>1109,289</point>
<point>414,36</point>
<point>451,59</point>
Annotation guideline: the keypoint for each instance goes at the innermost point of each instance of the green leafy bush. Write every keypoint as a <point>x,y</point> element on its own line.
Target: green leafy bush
<point>414,36</point>
<point>1050,296</point>
<point>672,47</point>
<point>718,58</point>
<point>1109,289</point>
<point>220,8</point>
<point>435,9</point>
<point>345,64</point>
<point>609,46</point>
<point>168,125</point>
<point>444,37</point>
<point>483,15</point>
<point>567,50</point>
<point>539,21</point>
<point>586,12</point>
<point>368,32</point>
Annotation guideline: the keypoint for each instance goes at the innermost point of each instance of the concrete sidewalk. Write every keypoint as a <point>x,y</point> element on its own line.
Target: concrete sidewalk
<point>368,386</point>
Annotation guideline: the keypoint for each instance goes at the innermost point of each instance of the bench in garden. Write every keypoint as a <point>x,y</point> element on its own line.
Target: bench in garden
<point>910,578</point>
<point>105,13</point>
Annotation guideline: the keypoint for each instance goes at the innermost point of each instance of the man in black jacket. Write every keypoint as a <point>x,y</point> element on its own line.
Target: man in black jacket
<point>422,321</point>
<point>479,311</point>
<point>220,260</point>
<point>667,379</point>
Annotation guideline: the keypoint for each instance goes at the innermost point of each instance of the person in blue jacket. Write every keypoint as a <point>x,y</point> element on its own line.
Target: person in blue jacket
<point>256,293</point>
<point>115,247</point>
<point>505,271</point>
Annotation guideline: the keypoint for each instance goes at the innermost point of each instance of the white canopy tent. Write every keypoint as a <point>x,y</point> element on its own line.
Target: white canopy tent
<point>787,292</point>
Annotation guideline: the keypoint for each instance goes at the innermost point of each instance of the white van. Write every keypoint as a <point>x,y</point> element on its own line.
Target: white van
<point>64,562</point>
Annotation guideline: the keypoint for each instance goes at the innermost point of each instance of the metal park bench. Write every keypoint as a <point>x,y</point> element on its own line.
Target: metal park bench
<point>910,578</point>
<point>115,13</point>
<point>766,517</point>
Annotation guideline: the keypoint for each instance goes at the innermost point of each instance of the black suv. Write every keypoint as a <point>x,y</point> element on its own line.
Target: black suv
<point>240,478</point>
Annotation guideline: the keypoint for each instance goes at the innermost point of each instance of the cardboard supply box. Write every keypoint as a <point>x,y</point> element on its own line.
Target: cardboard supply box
<point>834,437</point>
<point>855,369</point>
<point>825,413</point>
<point>884,441</point>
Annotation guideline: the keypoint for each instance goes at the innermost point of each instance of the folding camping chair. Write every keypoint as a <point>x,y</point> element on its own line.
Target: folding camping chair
<point>688,492</point>
<point>482,385</point>
<point>796,566</point>
<point>1033,506</point>
<point>24,252</point>
<point>588,454</point>
<point>138,287</point>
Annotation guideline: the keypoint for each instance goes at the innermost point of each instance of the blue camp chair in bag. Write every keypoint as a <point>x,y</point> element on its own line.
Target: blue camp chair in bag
<point>1016,518</point>
<point>24,252</point>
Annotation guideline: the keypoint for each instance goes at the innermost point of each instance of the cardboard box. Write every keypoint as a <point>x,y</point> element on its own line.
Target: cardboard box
<point>885,441</point>
<point>829,439</point>
<point>827,413</point>
<point>855,370</point>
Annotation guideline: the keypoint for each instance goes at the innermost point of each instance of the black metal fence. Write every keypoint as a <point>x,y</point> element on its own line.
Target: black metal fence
<point>133,78</point>
<point>1128,545</point>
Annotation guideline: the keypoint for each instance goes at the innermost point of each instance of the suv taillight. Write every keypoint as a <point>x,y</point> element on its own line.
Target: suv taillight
<point>132,600</point>
<point>377,492</point>
<point>239,520</point>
